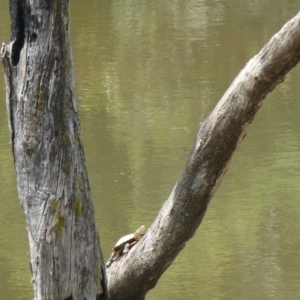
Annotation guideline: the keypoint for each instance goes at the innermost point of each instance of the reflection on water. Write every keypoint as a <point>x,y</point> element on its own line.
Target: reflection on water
<point>147,73</point>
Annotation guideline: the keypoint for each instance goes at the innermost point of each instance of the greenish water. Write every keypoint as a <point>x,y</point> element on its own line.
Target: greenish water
<point>147,73</point>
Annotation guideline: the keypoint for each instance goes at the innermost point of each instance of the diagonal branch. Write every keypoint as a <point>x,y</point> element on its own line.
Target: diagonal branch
<point>216,143</point>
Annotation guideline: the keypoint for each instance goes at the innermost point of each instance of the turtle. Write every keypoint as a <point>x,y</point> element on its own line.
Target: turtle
<point>125,243</point>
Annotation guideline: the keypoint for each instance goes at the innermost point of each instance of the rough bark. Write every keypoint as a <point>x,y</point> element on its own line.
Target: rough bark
<point>65,256</point>
<point>134,274</point>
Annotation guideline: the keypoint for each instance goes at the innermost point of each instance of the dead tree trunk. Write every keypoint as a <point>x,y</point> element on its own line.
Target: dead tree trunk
<point>65,255</point>
<point>132,276</point>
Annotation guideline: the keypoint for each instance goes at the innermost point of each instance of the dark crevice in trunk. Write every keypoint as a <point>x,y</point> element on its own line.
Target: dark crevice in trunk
<point>103,283</point>
<point>18,30</point>
<point>48,4</point>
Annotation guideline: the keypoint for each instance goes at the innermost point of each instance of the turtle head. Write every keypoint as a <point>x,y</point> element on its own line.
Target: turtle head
<point>139,232</point>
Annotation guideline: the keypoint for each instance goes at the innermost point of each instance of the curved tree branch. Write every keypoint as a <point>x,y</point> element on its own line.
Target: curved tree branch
<point>135,273</point>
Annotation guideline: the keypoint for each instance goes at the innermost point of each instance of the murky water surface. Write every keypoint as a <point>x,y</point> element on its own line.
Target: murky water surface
<point>147,73</point>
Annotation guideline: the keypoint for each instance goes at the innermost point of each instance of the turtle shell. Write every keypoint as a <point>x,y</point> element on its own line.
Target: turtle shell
<point>129,238</point>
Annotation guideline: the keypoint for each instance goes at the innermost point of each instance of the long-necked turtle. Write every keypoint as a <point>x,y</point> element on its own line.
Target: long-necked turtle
<point>125,243</point>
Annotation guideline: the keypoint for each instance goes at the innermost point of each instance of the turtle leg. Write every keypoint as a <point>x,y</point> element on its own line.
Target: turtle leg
<point>109,262</point>
<point>111,259</point>
<point>126,248</point>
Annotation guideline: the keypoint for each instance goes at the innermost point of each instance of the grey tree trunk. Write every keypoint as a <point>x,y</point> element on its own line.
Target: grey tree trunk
<point>135,273</point>
<point>65,256</point>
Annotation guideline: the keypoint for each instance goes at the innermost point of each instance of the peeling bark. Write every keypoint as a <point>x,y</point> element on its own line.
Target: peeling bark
<point>65,255</point>
<point>135,273</point>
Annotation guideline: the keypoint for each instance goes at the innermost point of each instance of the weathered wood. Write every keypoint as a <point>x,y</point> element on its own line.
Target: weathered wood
<point>217,140</point>
<point>65,255</point>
